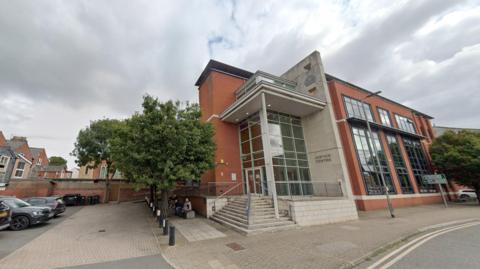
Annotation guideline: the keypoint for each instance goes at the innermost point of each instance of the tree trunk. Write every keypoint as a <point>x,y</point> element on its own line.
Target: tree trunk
<point>151,194</point>
<point>106,199</point>
<point>164,207</point>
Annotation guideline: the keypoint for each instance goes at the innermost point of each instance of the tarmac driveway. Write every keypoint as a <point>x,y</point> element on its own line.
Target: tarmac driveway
<point>96,235</point>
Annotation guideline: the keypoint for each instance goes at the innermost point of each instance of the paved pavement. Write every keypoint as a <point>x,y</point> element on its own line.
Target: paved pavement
<point>94,234</point>
<point>340,245</point>
<point>456,249</point>
<point>145,262</point>
<point>17,239</point>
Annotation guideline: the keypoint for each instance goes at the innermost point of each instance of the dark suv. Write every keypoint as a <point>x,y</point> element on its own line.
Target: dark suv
<point>54,202</point>
<point>4,216</point>
<point>24,214</point>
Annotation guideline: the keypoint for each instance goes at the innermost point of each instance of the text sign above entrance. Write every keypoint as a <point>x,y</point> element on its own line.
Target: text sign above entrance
<point>435,179</point>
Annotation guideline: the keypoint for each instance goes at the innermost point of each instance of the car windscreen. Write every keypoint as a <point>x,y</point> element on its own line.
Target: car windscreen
<point>16,203</point>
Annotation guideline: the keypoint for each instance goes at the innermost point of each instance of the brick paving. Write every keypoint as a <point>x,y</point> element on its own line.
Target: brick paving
<point>77,240</point>
<point>322,246</point>
<point>196,229</point>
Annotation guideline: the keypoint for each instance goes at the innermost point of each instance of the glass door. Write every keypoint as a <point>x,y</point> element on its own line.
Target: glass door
<point>254,180</point>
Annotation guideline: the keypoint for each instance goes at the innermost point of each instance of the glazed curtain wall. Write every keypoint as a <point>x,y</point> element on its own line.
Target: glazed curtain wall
<point>366,156</point>
<point>289,154</point>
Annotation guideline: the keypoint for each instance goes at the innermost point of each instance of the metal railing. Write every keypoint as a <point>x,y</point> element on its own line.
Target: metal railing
<point>210,189</point>
<point>230,190</point>
<point>262,76</point>
<point>309,188</point>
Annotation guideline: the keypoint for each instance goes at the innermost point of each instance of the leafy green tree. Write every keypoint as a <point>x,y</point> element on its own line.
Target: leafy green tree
<point>92,147</point>
<point>457,155</point>
<point>164,144</point>
<point>57,160</point>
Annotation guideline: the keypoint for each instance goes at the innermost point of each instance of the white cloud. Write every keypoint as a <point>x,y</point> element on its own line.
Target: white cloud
<point>64,63</point>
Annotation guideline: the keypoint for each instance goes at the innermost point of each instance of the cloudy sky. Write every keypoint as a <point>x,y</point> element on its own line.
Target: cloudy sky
<point>64,63</point>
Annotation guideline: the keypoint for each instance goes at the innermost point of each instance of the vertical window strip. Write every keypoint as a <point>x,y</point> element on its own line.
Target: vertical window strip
<point>399,164</point>
<point>370,170</point>
<point>418,163</point>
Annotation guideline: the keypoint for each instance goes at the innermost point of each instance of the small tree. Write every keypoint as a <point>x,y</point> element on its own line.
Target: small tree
<point>457,155</point>
<point>164,144</point>
<point>57,160</point>
<point>93,147</point>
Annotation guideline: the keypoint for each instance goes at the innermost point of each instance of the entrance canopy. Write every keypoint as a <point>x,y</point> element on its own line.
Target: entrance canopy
<point>280,96</point>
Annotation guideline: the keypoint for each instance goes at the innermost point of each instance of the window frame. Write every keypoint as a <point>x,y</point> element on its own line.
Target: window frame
<point>376,169</point>
<point>18,169</point>
<point>408,120</point>
<point>398,167</point>
<point>345,97</point>
<point>379,108</point>
<point>5,162</point>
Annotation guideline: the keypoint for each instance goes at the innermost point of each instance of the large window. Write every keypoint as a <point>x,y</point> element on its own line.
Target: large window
<point>251,147</point>
<point>20,169</point>
<point>405,124</point>
<point>368,162</point>
<point>399,164</point>
<point>418,163</point>
<point>355,109</point>
<point>289,155</point>
<point>384,117</point>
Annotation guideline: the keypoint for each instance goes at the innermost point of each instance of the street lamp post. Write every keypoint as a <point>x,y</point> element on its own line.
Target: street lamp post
<point>385,188</point>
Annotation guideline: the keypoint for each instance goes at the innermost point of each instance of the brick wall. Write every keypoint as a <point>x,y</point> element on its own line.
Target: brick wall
<point>28,188</point>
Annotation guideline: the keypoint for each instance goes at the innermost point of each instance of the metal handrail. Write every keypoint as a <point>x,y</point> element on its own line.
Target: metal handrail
<point>225,193</point>
<point>248,208</point>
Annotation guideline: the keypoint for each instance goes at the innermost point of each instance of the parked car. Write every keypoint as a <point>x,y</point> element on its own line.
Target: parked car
<point>5,216</point>
<point>466,194</point>
<point>73,199</point>
<point>24,215</point>
<point>54,202</point>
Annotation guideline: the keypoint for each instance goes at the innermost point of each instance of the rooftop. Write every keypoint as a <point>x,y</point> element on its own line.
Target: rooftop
<point>222,68</point>
<point>214,65</point>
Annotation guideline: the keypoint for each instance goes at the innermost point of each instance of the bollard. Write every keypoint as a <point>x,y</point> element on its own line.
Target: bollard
<point>165,227</point>
<point>161,220</point>
<point>171,239</point>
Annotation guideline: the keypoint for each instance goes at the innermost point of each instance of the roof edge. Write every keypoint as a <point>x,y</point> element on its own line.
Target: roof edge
<point>214,65</point>
<point>328,76</point>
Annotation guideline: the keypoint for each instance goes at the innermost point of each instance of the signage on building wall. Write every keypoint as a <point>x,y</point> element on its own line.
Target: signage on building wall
<point>323,158</point>
<point>434,179</point>
<point>234,177</point>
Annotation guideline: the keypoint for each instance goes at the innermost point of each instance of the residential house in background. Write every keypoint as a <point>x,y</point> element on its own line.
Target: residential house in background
<point>99,172</point>
<point>40,161</point>
<point>55,171</point>
<point>24,162</point>
<point>7,161</point>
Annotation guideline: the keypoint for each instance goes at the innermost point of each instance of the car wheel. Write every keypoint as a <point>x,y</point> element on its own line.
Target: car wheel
<point>464,197</point>
<point>19,223</point>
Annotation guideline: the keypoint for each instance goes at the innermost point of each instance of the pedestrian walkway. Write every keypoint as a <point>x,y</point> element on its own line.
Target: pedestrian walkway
<point>94,234</point>
<point>323,246</point>
<point>196,229</point>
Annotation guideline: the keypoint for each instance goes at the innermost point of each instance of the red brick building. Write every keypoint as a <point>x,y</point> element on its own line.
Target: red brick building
<point>302,136</point>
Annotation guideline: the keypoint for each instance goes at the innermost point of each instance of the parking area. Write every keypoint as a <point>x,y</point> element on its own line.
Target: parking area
<point>17,239</point>
<point>100,236</point>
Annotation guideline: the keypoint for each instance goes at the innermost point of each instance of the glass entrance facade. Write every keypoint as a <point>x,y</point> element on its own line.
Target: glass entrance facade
<point>289,155</point>
<point>252,156</point>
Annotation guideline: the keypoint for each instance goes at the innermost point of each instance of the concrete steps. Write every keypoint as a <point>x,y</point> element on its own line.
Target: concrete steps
<point>262,216</point>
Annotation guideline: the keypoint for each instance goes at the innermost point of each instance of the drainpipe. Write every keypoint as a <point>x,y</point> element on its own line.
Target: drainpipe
<point>268,155</point>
